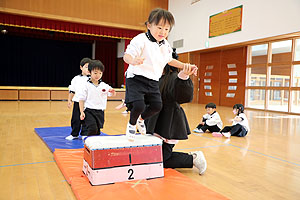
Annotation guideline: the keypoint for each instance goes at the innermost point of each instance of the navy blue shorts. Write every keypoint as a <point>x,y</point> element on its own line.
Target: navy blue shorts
<point>141,88</point>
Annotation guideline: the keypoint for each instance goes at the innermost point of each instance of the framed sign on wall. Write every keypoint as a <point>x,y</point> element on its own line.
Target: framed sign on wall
<point>228,21</point>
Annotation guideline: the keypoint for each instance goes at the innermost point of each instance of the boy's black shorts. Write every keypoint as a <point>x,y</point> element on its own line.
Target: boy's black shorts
<point>141,88</point>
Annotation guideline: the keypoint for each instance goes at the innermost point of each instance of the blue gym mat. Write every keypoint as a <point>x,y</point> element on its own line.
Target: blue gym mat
<point>54,138</point>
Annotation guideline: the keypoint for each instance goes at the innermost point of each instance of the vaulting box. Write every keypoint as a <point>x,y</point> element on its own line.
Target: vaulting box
<point>110,159</point>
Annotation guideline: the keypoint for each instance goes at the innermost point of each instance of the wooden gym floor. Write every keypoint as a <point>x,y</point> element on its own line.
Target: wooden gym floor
<point>263,165</point>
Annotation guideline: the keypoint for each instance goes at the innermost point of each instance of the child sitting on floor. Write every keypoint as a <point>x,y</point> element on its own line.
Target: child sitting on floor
<point>240,125</point>
<point>210,121</point>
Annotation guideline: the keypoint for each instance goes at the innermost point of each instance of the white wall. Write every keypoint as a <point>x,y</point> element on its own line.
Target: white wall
<point>261,19</point>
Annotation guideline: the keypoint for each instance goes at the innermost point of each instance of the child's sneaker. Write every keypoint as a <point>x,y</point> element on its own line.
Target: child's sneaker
<point>199,161</point>
<point>197,130</point>
<point>217,134</point>
<point>130,132</point>
<point>226,134</point>
<point>141,126</point>
<point>71,137</point>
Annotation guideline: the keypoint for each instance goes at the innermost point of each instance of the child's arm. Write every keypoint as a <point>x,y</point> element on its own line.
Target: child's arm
<point>237,119</point>
<point>70,97</point>
<point>81,107</point>
<point>133,60</point>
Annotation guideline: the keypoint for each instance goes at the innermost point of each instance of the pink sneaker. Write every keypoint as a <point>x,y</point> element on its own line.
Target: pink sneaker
<point>217,134</point>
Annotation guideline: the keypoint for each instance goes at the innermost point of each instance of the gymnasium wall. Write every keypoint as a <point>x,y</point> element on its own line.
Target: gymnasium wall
<point>261,19</point>
<point>130,14</point>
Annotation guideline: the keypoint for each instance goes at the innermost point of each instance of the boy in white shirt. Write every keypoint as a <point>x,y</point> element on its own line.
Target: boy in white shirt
<point>76,83</point>
<point>93,99</point>
<point>147,55</point>
<point>210,121</point>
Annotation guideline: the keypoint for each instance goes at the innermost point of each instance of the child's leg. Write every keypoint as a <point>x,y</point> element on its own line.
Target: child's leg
<point>238,130</point>
<point>75,120</point>
<point>84,129</point>
<point>226,129</point>
<point>199,126</point>
<point>214,128</point>
<point>137,108</point>
<point>90,122</point>
<point>204,128</point>
<point>151,109</point>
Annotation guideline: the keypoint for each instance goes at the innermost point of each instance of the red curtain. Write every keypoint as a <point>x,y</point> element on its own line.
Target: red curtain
<point>106,52</point>
<point>65,27</point>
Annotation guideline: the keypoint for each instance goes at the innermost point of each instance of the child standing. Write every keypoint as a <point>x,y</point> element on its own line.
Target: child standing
<point>74,88</point>
<point>240,125</point>
<point>210,121</point>
<point>147,54</point>
<point>93,98</point>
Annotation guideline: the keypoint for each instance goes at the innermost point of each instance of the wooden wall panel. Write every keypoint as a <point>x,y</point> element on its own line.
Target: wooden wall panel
<point>9,95</point>
<point>34,94</point>
<point>59,95</point>
<point>206,60</point>
<point>123,14</point>
<point>237,56</point>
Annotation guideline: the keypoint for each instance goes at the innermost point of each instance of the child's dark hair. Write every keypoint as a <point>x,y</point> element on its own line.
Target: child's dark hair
<point>160,14</point>
<point>210,105</point>
<point>84,61</point>
<point>239,107</point>
<point>96,64</point>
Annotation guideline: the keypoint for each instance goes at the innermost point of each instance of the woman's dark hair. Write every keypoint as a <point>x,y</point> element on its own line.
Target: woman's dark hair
<point>168,70</point>
<point>160,14</point>
<point>239,107</point>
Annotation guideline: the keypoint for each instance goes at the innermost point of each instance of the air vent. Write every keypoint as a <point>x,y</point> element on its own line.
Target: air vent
<point>178,43</point>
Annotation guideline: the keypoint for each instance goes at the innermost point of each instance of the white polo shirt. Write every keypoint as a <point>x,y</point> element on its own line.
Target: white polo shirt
<point>95,97</point>
<point>244,121</point>
<point>156,57</point>
<point>213,119</point>
<point>76,84</point>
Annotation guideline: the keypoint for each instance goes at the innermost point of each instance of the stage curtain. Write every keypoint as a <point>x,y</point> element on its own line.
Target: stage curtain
<point>40,62</point>
<point>65,27</point>
<point>106,52</point>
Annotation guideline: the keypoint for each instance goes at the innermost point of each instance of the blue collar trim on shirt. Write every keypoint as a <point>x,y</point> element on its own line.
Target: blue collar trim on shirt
<point>152,39</point>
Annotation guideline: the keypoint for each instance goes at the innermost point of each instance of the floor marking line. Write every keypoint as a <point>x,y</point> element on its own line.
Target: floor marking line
<point>27,164</point>
<point>280,159</point>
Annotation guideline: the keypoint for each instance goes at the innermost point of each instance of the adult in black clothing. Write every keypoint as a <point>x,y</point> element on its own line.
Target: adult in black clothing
<point>171,124</point>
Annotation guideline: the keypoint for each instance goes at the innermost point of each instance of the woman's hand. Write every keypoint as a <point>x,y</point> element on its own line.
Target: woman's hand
<point>190,69</point>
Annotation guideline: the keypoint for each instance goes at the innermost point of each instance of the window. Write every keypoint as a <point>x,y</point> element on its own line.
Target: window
<point>256,98</point>
<point>257,76</point>
<point>259,54</point>
<point>297,50</point>
<point>278,100</point>
<point>280,76</point>
<point>296,76</point>
<point>274,75</point>
<point>295,108</point>
<point>281,51</point>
